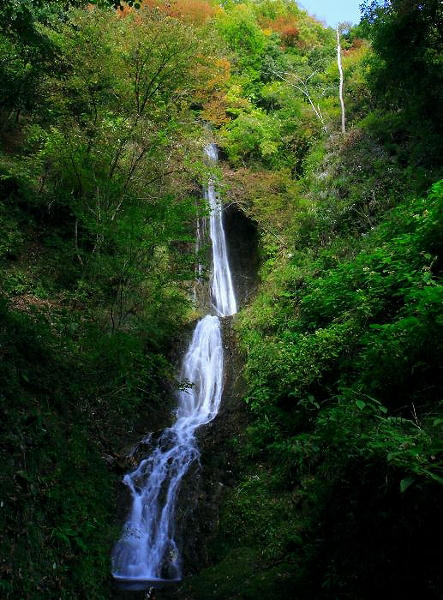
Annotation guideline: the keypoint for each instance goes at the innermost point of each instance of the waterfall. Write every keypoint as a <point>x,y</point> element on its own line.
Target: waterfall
<point>147,551</point>
<point>222,291</point>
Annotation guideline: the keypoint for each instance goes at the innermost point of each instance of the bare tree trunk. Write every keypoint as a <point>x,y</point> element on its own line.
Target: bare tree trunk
<point>340,70</point>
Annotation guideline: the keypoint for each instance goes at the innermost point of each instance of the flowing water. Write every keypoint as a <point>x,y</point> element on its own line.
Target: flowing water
<point>147,551</point>
<point>222,291</point>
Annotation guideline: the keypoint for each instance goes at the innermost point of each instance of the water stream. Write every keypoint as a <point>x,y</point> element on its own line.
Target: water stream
<point>147,552</point>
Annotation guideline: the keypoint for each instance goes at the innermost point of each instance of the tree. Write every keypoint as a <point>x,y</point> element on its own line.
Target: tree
<point>340,70</point>
<point>407,67</point>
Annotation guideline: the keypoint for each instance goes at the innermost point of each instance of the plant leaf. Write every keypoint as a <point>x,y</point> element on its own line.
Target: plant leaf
<point>405,483</point>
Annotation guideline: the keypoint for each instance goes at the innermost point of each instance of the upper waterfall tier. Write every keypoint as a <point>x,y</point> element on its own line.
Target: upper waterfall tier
<point>222,290</point>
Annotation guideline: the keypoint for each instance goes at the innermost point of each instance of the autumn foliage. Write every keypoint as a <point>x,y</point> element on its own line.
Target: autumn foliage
<point>197,12</point>
<point>213,97</point>
<point>286,26</point>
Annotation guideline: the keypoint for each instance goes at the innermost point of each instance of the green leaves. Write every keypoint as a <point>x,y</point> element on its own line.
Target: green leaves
<point>98,206</point>
<point>252,135</point>
<point>405,74</point>
<point>405,483</point>
<point>242,32</point>
<point>342,347</point>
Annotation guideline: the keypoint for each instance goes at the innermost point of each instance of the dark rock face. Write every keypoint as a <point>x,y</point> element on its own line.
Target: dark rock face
<point>242,240</point>
<point>205,485</point>
<point>203,488</point>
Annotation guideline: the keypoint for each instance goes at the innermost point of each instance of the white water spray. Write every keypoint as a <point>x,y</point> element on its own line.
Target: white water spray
<point>222,290</point>
<point>147,551</point>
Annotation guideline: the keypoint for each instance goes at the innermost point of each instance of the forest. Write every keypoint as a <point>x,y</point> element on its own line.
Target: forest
<point>331,148</point>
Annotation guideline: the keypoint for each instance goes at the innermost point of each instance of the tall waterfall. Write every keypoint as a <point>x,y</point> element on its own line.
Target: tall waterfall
<point>222,291</point>
<point>147,551</point>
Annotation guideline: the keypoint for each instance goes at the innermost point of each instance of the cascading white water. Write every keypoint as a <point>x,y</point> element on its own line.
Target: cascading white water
<point>147,551</point>
<point>222,290</point>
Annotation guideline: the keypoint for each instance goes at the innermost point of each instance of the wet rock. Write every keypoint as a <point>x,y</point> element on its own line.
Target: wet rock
<point>206,484</point>
<point>242,241</point>
<point>207,481</point>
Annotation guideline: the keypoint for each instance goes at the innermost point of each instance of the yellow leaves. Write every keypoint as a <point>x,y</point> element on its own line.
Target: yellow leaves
<point>214,74</point>
<point>214,110</point>
<point>268,147</point>
<point>235,98</point>
<point>124,11</point>
<point>220,103</point>
<point>354,55</point>
<point>196,12</point>
<point>222,73</point>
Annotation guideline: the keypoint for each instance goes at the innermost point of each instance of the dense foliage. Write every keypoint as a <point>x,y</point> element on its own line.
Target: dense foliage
<point>338,477</point>
<point>97,207</point>
<point>340,470</point>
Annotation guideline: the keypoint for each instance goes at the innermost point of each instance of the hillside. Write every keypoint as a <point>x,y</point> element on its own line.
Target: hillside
<point>336,470</point>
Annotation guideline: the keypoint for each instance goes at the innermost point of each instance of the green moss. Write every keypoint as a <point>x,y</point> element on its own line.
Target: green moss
<point>240,575</point>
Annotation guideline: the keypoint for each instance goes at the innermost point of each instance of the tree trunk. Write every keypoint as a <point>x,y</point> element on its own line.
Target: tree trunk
<point>340,70</point>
